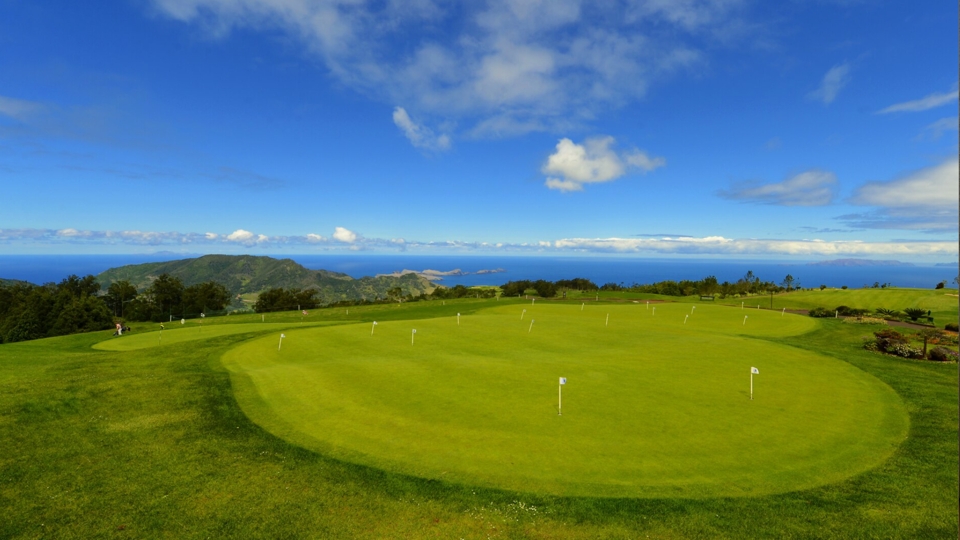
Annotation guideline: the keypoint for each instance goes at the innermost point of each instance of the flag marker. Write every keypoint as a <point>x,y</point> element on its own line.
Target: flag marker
<point>412,334</point>
<point>692,309</point>
<point>281,341</point>
<point>458,319</point>
<point>373,327</point>
<point>608,320</point>
<point>531,325</point>
<point>522,313</point>
<point>533,302</point>
<point>745,320</point>
<point>654,312</point>
<point>261,317</point>
<point>784,312</point>
<point>581,305</point>
<point>753,371</point>
<point>741,305</point>
<point>685,319</point>
<point>563,381</point>
<point>648,305</point>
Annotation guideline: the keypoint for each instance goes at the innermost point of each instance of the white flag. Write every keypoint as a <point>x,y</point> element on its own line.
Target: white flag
<point>282,336</point>
<point>563,380</point>
<point>374,323</point>
<point>414,330</point>
<point>754,370</point>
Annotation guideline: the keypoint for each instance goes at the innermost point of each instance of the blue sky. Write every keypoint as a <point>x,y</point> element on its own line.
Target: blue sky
<point>707,128</point>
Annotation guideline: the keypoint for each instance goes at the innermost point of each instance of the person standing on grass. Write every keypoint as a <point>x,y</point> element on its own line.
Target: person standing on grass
<point>119,329</point>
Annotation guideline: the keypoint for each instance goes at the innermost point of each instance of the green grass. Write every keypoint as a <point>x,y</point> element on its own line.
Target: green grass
<point>654,407</point>
<point>154,442</point>
<point>942,303</point>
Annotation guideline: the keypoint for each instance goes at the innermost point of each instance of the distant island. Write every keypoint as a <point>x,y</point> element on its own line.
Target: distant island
<point>859,262</point>
<point>438,275</point>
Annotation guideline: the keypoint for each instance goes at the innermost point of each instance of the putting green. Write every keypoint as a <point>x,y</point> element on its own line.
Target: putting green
<point>653,406</point>
<point>176,334</point>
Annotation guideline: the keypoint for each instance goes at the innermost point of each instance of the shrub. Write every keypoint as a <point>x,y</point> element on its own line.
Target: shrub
<point>943,354</point>
<point>889,338</point>
<point>953,327</point>
<point>941,285</point>
<point>905,351</point>
<point>891,313</point>
<point>865,320</point>
<point>820,312</point>
<point>844,287</point>
<point>914,313</point>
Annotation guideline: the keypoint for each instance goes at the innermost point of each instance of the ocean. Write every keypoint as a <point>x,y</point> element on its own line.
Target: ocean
<point>606,269</point>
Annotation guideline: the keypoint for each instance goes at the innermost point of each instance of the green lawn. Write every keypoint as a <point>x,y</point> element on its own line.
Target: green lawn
<point>654,407</point>
<point>152,443</point>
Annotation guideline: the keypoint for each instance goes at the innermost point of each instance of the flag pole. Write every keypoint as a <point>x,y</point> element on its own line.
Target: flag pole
<point>751,385</point>
<point>560,400</point>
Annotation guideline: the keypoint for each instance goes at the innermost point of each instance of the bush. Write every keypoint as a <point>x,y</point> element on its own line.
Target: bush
<point>953,327</point>
<point>941,285</point>
<point>888,338</point>
<point>820,312</point>
<point>844,287</point>
<point>865,320</point>
<point>914,313</point>
<point>905,351</point>
<point>943,354</point>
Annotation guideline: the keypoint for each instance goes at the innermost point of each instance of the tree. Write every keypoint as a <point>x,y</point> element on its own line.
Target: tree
<point>545,288</point>
<point>118,293</point>
<point>787,282</point>
<point>708,286</point>
<point>166,293</point>
<point>205,296</point>
<point>941,285</point>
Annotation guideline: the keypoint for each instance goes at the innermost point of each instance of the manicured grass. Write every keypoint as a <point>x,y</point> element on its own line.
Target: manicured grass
<point>153,444</point>
<point>942,303</point>
<point>654,407</point>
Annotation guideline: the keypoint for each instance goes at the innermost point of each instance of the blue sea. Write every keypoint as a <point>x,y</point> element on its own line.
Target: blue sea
<point>625,270</point>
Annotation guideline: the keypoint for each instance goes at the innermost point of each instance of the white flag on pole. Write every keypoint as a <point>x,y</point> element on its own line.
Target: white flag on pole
<point>754,371</point>
<point>414,330</point>
<point>563,380</point>
<point>283,335</point>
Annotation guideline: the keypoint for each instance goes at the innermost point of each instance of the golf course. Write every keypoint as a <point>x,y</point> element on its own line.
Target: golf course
<point>447,419</point>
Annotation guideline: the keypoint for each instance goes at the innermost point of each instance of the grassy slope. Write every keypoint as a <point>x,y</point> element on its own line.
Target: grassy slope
<point>154,442</point>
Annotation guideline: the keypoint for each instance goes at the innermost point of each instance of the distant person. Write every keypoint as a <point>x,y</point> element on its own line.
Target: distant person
<point>119,331</point>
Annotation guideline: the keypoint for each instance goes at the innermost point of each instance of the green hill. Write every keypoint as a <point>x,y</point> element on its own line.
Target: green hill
<point>250,274</point>
<point>11,282</point>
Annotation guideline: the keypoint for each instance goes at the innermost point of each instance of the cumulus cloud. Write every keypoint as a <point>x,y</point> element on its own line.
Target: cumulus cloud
<point>573,165</point>
<point>834,81</point>
<point>809,188</point>
<point>344,235</point>
<point>927,102</point>
<point>240,235</point>
<point>499,67</point>
<point>419,135</point>
<point>925,199</point>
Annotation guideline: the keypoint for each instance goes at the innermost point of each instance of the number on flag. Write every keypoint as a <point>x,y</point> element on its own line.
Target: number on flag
<point>754,371</point>
<point>563,380</point>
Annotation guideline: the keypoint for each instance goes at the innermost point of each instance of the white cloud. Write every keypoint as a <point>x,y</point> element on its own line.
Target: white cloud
<point>922,200</point>
<point>834,81</point>
<point>594,161</point>
<point>419,135</point>
<point>927,102</point>
<point>344,235</point>
<point>718,245</point>
<point>211,236</point>
<point>532,65</point>
<point>809,188</point>
<point>240,235</point>
<point>941,126</point>
<point>679,245</point>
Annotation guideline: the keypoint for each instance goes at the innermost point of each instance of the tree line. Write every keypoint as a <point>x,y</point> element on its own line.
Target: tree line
<point>77,304</point>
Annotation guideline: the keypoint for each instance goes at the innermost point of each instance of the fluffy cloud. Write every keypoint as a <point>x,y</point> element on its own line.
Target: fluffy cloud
<point>594,161</point>
<point>927,102</point>
<point>344,235</point>
<point>499,66</point>
<point>834,81</point>
<point>809,188</point>
<point>419,135</point>
<point>922,200</point>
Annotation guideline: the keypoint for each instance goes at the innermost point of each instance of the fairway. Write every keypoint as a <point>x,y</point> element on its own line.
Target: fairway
<point>653,407</point>
<point>175,335</point>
